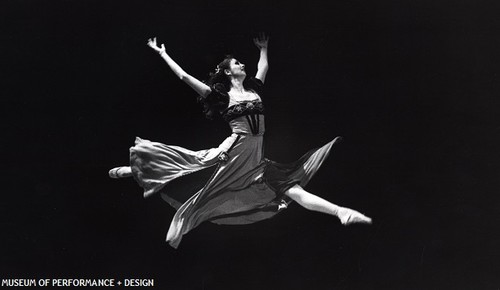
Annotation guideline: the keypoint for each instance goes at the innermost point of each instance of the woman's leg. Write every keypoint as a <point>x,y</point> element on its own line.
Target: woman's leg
<point>315,203</point>
<point>120,172</point>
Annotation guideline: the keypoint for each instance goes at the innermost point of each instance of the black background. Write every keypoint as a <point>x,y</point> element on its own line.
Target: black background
<point>411,85</point>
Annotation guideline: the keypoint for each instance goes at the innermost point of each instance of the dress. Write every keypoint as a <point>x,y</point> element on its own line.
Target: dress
<point>244,189</point>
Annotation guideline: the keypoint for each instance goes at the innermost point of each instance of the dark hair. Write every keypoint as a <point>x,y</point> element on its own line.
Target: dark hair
<point>219,82</point>
<point>218,76</point>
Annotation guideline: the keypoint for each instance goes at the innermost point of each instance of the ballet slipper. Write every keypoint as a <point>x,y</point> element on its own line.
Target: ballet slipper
<point>350,216</point>
<point>119,172</point>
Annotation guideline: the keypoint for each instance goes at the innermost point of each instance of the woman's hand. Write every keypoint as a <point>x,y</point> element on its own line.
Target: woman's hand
<point>261,41</point>
<point>153,45</point>
<point>201,88</point>
<point>223,157</point>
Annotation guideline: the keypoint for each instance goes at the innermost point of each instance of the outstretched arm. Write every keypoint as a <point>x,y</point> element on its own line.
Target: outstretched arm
<point>201,88</point>
<point>262,66</point>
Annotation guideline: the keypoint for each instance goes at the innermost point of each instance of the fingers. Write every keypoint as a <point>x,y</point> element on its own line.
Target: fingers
<point>152,42</point>
<point>263,37</point>
<point>261,40</point>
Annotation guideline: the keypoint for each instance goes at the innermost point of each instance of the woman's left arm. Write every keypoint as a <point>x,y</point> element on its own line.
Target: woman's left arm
<point>262,66</point>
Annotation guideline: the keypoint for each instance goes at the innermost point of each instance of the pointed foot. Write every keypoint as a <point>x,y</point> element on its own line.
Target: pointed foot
<point>349,216</point>
<point>120,172</point>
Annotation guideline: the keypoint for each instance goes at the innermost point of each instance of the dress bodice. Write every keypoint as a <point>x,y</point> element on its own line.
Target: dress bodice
<point>246,117</point>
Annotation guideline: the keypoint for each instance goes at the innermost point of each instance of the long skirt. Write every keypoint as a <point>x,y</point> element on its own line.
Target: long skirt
<point>244,189</point>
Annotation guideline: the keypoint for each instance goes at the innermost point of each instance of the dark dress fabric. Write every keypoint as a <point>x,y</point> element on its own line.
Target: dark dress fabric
<point>244,189</point>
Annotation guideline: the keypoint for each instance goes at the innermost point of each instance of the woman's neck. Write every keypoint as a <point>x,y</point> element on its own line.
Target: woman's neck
<point>237,85</point>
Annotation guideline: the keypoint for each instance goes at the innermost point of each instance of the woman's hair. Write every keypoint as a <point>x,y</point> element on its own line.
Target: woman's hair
<point>219,82</point>
<point>218,76</point>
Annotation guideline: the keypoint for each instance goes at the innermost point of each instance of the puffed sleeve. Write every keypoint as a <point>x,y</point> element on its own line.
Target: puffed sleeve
<point>215,102</point>
<point>255,84</point>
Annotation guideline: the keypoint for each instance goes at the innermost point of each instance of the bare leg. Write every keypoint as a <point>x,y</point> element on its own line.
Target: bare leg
<point>315,203</point>
<point>120,172</point>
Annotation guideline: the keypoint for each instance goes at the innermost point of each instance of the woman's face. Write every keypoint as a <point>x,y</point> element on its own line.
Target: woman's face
<point>236,68</point>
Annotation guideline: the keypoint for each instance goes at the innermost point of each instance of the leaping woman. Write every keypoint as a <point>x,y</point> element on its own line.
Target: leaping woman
<point>245,187</point>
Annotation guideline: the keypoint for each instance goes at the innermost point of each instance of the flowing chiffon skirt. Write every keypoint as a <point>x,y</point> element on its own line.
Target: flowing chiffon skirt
<point>244,189</point>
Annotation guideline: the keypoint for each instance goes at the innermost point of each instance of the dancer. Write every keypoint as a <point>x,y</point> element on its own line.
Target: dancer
<point>245,187</point>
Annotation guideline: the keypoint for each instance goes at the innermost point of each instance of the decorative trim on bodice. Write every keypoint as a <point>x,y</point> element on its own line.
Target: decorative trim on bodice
<point>244,108</point>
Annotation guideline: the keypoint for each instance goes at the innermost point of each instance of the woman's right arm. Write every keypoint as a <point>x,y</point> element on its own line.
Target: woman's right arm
<point>201,88</point>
